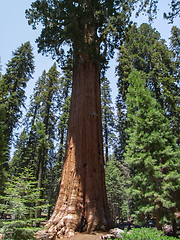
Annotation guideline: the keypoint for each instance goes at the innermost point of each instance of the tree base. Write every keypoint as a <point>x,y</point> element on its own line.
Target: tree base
<point>66,233</point>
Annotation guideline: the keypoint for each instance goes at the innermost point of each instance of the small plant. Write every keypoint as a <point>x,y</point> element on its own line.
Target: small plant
<point>145,234</point>
<point>16,230</point>
<point>20,204</point>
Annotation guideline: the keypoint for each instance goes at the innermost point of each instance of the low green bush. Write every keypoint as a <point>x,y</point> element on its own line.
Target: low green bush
<point>18,230</point>
<point>20,204</point>
<point>145,234</point>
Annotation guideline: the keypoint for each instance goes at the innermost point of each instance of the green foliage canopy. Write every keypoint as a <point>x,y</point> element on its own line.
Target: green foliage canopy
<point>144,50</point>
<point>151,153</point>
<point>20,203</point>
<point>90,27</point>
<point>13,83</point>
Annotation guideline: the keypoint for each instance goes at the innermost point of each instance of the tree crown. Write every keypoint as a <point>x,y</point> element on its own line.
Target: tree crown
<point>90,27</point>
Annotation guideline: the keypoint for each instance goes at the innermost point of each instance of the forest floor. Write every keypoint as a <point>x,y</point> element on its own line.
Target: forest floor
<point>84,236</point>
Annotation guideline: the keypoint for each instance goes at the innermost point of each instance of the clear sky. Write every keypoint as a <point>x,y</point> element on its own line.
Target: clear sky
<point>14,30</point>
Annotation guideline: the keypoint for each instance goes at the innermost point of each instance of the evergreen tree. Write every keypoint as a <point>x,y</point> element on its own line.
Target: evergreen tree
<point>12,86</point>
<point>152,154</point>
<point>123,70</point>
<point>175,47</point>
<point>117,178</point>
<point>107,117</point>
<point>20,203</point>
<point>12,96</point>
<point>0,69</point>
<point>92,29</point>
<point>3,149</point>
<point>175,44</point>
<point>36,146</point>
<point>144,50</point>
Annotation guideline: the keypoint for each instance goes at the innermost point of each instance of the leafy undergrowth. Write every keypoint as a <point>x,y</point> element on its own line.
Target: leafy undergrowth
<point>18,230</point>
<point>145,234</point>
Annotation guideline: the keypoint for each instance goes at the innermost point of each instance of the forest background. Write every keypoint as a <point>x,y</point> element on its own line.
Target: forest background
<point>15,31</point>
<point>13,35</point>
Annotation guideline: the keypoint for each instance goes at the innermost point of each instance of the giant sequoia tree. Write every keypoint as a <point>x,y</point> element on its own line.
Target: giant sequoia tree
<point>92,29</point>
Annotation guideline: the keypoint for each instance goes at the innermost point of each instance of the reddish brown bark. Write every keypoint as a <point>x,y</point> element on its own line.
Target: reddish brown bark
<point>82,189</point>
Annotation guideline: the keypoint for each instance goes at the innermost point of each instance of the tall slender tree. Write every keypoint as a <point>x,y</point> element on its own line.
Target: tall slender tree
<point>36,145</point>
<point>175,48</point>
<point>144,50</point>
<point>13,83</point>
<point>152,154</point>
<point>108,121</point>
<point>19,71</point>
<point>3,150</point>
<point>117,183</point>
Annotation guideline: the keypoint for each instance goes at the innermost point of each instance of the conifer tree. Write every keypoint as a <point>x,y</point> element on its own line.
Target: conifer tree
<point>36,146</point>
<point>92,29</point>
<point>3,149</point>
<point>175,43</point>
<point>20,202</point>
<point>117,178</point>
<point>123,69</point>
<point>19,71</point>
<point>144,50</point>
<point>12,86</point>
<point>152,154</point>
<point>175,47</point>
<point>107,117</point>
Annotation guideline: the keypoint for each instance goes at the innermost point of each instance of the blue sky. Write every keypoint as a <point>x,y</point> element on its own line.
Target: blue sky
<point>14,30</point>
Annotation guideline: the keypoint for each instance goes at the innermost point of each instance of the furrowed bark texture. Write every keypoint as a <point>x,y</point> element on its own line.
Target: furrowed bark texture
<point>82,190</point>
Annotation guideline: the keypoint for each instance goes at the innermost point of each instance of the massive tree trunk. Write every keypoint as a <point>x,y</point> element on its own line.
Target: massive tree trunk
<point>82,196</point>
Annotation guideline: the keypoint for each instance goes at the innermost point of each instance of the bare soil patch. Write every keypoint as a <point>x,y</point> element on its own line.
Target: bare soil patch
<point>85,236</point>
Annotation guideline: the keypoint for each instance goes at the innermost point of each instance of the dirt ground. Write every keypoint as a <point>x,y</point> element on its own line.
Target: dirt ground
<point>84,236</point>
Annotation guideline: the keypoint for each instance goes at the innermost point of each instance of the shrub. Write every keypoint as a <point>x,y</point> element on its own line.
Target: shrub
<point>16,230</point>
<point>145,234</point>
<point>20,204</point>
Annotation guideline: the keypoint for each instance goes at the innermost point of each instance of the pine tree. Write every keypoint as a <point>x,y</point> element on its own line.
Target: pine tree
<point>0,69</point>
<point>175,47</point>
<point>36,146</point>
<point>3,149</point>
<point>107,117</point>
<point>20,202</point>
<point>12,86</point>
<point>117,178</point>
<point>12,96</point>
<point>144,50</point>
<point>152,154</point>
<point>175,44</point>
